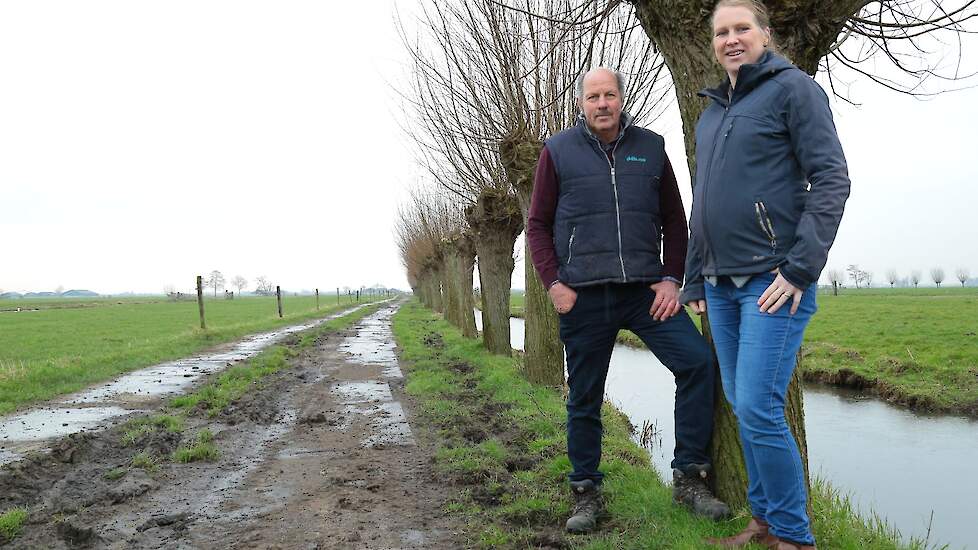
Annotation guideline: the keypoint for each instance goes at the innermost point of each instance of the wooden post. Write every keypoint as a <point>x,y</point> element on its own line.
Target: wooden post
<point>200,300</point>
<point>278,293</point>
<point>317,299</point>
<point>337,295</point>
<point>358,296</point>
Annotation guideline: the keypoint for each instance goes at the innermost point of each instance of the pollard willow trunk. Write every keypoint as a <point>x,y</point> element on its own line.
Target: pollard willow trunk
<point>543,357</point>
<point>495,222</point>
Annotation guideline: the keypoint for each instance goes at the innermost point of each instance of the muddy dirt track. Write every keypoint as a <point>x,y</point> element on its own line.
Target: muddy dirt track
<point>326,454</point>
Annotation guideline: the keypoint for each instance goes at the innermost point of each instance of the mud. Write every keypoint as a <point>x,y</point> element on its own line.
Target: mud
<point>104,405</point>
<point>325,454</point>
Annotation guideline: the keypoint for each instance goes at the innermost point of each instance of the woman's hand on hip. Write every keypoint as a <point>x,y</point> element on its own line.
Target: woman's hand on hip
<point>778,294</point>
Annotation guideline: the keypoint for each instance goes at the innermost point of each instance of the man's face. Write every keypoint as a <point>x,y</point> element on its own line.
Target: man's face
<point>601,102</point>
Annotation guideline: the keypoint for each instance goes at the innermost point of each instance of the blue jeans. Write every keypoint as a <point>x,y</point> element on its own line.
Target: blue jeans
<point>757,354</point>
<point>588,331</point>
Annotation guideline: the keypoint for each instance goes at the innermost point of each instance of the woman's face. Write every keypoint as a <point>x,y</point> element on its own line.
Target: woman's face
<point>737,39</point>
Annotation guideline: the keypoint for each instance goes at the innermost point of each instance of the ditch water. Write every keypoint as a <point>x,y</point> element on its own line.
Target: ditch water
<point>892,462</point>
<point>96,407</point>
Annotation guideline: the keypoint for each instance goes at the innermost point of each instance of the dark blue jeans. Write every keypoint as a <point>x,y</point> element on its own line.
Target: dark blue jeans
<point>757,357</point>
<point>588,332</point>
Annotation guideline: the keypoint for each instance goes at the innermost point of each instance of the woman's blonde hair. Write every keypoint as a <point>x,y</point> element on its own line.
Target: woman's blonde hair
<point>757,8</point>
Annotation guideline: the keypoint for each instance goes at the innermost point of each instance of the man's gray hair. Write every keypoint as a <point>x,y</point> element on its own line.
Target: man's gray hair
<point>579,82</point>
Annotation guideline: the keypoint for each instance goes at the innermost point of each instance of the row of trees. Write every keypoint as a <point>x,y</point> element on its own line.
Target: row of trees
<point>488,85</point>
<point>215,280</point>
<point>263,285</point>
<point>492,81</point>
<point>861,278</point>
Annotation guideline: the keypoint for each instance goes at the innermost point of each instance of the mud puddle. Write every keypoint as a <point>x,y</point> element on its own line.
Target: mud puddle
<point>322,454</point>
<point>374,344</point>
<point>99,407</point>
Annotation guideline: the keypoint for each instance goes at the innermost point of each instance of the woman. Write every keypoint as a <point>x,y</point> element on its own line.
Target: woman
<point>771,183</point>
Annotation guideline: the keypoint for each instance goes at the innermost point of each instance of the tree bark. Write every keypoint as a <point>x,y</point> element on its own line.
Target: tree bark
<point>495,222</point>
<point>729,470</point>
<point>804,30</point>
<point>449,294</point>
<point>543,351</point>
<point>459,254</point>
<point>432,284</point>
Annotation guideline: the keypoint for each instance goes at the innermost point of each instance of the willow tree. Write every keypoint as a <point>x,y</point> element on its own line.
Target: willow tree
<point>515,82</point>
<point>439,113</point>
<point>437,251</point>
<point>418,252</point>
<point>458,254</point>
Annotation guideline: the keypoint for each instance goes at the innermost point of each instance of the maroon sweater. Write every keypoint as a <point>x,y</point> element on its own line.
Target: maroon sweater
<point>543,206</point>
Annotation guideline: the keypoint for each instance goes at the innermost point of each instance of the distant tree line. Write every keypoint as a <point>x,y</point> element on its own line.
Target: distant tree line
<point>264,286</point>
<point>864,279</point>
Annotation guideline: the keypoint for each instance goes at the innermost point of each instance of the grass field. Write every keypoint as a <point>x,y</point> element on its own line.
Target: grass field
<point>917,347</point>
<point>67,345</point>
<point>503,444</point>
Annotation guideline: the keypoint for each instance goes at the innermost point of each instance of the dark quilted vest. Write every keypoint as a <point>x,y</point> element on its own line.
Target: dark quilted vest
<point>601,237</point>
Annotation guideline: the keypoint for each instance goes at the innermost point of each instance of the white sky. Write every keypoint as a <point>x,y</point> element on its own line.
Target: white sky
<point>144,143</point>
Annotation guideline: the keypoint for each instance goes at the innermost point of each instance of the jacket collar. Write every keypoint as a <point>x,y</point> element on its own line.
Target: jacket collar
<point>625,121</point>
<point>749,77</point>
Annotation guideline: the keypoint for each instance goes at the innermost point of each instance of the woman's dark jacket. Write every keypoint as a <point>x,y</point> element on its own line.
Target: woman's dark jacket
<point>771,178</point>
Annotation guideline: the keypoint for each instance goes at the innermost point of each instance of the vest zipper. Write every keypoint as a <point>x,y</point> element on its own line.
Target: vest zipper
<point>570,246</point>
<point>614,186</point>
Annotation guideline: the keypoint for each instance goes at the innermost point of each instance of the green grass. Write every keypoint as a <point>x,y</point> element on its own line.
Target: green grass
<point>512,478</point>
<point>235,381</point>
<point>144,461</point>
<point>11,523</point>
<point>115,473</point>
<point>517,303</point>
<point>201,449</point>
<point>915,346</point>
<point>134,429</point>
<point>70,344</point>
<point>919,347</point>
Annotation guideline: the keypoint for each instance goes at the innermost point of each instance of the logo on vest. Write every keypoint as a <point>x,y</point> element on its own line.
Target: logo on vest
<point>633,158</point>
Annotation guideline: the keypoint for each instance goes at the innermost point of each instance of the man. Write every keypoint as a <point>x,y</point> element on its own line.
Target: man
<point>605,203</point>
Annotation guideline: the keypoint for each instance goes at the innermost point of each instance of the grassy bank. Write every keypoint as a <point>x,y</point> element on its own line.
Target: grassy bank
<point>915,347</point>
<point>60,350</point>
<point>503,445</point>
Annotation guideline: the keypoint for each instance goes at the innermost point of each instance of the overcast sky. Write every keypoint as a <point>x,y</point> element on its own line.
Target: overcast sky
<point>144,143</point>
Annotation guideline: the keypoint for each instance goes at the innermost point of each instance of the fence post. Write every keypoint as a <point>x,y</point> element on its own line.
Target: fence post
<point>317,299</point>
<point>337,295</point>
<point>278,293</point>
<point>200,300</point>
<point>358,296</point>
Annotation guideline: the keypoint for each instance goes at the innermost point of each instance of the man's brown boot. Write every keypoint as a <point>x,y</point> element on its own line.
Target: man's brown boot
<point>756,531</point>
